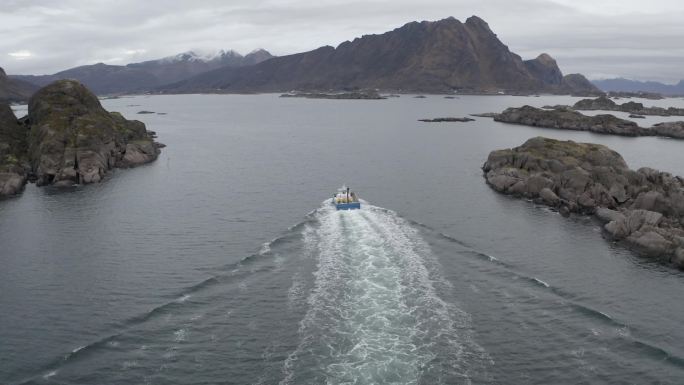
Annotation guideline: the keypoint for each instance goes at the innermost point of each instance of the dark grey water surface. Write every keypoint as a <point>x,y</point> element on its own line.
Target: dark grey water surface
<point>221,264</point>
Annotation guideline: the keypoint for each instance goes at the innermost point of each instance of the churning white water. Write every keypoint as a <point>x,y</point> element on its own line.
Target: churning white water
<point>375,316</point>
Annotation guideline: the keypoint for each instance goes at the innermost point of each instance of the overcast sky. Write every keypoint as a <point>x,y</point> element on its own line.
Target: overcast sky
<point>599,38</point>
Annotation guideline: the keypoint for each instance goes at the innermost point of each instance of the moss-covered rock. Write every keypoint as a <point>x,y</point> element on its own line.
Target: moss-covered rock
<point>74,140</point>
<point>644,208</point>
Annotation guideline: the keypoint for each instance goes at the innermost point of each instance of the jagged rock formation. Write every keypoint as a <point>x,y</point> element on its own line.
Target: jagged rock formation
<point>13,90</point>
<point>104,79</point>
<point>644,208</point>
<point>545,68</point>
<point>577,84</point>
<point>606,104</point>
<point>441,56</point>
<point>568,119</point>
<point>74,140</point>
<point>14,165</point>
<point>68,138</point>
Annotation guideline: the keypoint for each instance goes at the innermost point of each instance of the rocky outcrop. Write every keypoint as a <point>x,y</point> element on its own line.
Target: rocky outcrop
<point>437,57</point>
<point>14,165</point>
<point>569,119</point>
<point>600,103</point>
<point>669,129</point>
<point>643,208</point>
<point>606,104</point>
<point>68,138</point>
<point>74,140</point>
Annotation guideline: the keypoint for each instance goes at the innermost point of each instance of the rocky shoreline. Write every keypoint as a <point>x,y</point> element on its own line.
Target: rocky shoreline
<point>569,119</point>
<point>642,208</point>
<point>68,138</point>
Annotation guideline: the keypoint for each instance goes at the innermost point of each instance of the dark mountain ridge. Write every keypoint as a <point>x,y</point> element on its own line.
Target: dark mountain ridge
<point>441,56</point>
<point>105,79</point>
<point>627,85</point>
<point>14,90</point>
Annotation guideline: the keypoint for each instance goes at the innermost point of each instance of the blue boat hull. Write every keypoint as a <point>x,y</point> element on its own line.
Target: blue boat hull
<point>348,206</point>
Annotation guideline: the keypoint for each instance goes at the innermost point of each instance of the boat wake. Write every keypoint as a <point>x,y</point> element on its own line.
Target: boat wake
<point>347,297</point>
<point>375,314</point>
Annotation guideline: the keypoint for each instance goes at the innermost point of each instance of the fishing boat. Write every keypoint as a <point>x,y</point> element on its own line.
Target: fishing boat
<point>345,199</point>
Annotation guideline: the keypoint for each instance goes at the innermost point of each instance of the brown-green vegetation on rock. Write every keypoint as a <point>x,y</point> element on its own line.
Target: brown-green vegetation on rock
<point>644,208</point>
<point>68,138</point>
<point>74,140</point>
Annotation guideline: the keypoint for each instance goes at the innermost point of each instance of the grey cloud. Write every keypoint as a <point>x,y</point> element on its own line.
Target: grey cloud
<point>595,38</point>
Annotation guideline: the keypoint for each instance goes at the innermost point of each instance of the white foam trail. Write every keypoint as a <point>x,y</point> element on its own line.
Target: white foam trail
<point>296,291</point>
<point>266,247</point>
<point>180,335</point>
<point>183,298</point>
<point>374,313</point>
<point>50,374</point>
<point>541,282</point>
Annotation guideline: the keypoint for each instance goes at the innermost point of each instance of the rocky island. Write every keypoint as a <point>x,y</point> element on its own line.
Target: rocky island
<point>359,95</point>
<point>606,104</point>
<point>569,119</point>
<point>68,138</point>
<point>642,208</point>
<point>442,120</point>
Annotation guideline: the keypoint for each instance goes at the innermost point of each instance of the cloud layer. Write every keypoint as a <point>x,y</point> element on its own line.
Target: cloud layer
<point>601,39</point>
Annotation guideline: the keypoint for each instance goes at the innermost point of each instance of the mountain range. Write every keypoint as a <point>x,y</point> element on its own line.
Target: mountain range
<point>105,79</point>
<point>627,85</point>
<point>440,56</point>
<point>13,90</point>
